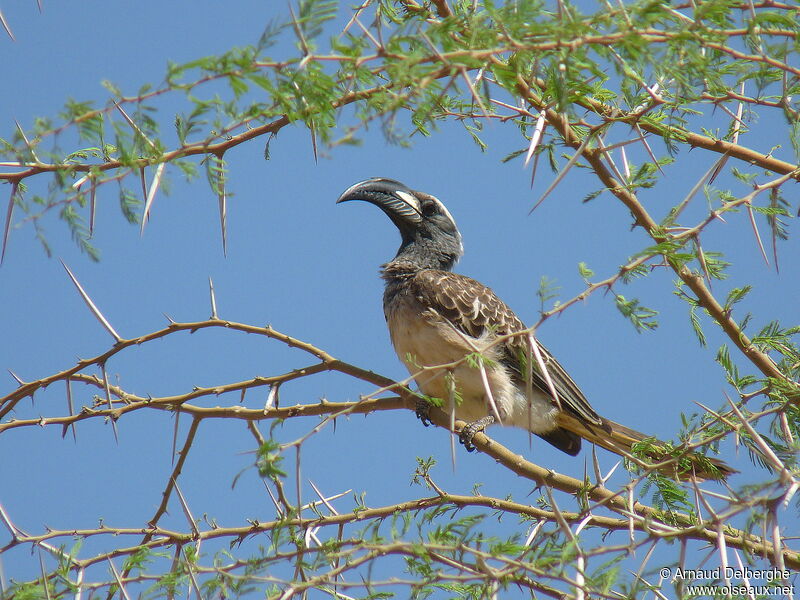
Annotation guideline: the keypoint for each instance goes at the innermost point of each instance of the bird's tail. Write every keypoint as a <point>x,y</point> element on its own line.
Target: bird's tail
<point>659,456</point>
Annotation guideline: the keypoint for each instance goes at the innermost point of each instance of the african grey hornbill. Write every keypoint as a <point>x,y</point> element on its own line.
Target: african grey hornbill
<point>436,318</point>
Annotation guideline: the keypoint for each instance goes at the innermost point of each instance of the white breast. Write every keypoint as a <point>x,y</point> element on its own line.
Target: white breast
<point>422,338</point>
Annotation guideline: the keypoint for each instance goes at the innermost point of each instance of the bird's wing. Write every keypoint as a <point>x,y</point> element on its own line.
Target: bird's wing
<point>475,309</point>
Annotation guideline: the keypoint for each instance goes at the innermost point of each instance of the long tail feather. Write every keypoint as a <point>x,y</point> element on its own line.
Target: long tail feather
<point>619,439</point>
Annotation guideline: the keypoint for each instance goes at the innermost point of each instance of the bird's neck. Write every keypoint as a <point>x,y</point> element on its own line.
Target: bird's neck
<point>418,255</point>
<point>399,271</point>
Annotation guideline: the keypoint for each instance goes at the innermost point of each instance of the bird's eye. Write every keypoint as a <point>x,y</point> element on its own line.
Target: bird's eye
<point>428,209</point>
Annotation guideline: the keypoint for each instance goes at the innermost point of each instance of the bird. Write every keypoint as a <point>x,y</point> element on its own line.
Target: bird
<point>463,345</point>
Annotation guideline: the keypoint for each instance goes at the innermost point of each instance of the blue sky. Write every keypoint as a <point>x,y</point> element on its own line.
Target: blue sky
<point>310,268</point>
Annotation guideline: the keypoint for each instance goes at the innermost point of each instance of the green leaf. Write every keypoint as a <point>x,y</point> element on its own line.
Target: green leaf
<point>585,272</point>
<point>641,317</point>
<point>736,295</point>
<point>548,289</point>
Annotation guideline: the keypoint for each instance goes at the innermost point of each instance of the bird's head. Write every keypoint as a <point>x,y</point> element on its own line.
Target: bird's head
<point>429,234</point>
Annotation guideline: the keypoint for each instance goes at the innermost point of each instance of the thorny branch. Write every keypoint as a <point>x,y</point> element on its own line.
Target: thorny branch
<point>637,515</point>
<point>596,158</point>
<point>599,506</point>
<point>327,362</point>
<point>442,65</point>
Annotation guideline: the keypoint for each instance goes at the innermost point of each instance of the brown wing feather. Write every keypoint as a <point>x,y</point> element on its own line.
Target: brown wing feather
<point>473,309</point>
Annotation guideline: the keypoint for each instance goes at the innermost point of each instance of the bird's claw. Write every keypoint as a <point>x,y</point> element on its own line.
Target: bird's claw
<point>471,429</point>
<point>423,411</point>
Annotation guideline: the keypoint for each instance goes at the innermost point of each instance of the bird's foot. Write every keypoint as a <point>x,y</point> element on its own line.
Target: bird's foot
<point>423,411</point>
<point>470,429</point>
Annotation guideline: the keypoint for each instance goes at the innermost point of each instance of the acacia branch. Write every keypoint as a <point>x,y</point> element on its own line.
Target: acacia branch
<point>645,515</point>
<point>695,282</point>
<point>159,537</point>
<point>8,402</point>
<point>459,60</point>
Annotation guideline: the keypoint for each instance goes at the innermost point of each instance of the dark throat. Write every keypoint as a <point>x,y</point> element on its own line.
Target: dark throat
<point>417,255</point>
